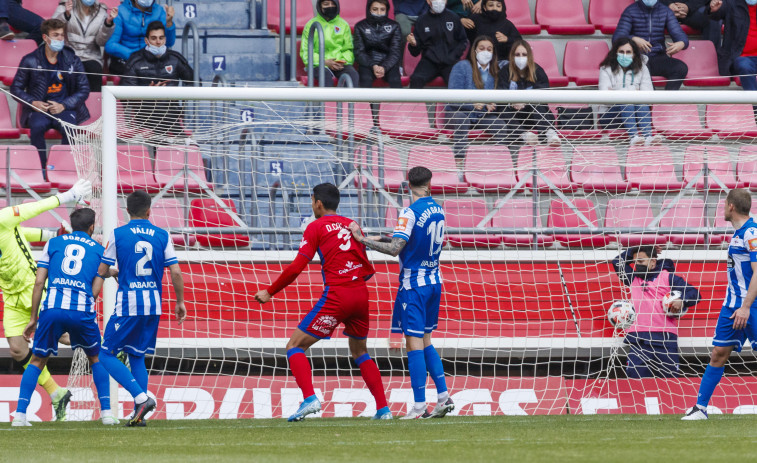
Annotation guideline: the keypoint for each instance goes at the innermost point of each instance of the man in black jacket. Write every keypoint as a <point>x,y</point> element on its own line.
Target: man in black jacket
<point>51,83</point>
<point>492,22</point>
<point>378,46</point>
<point>157,66</point>
<point>439,37</point>
<point>692,13</point>
<point>738,55</point>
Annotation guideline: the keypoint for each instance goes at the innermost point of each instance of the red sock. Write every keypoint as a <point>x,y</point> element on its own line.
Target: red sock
<point>300,366</point>
<point>372,378</point>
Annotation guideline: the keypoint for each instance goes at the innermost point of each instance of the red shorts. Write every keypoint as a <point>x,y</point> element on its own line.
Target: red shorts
<point>339,304</point>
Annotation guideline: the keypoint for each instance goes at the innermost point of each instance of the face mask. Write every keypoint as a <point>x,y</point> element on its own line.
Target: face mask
<point>56,45</point>
<point>751,2</point>
<point>329,13</point>
<point>483,57</point>
<point>88,2</point>
<point>437,6</point>
<point>145,3</point>
<point>521,62</point>
<point>650,3</point>
<point>624,60</point>
<point>157,51</point>
<point>641,270</point>
<point>495,15</point>
<point>381,17</point>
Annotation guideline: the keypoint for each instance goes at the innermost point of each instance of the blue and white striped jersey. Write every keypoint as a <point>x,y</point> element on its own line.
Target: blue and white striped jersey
<point>142,252</point>
<point>741,253</point>
<point>422,226</point>
<point>71,262</point>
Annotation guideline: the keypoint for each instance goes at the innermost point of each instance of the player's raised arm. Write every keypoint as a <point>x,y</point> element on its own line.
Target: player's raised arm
<point>178,286</point>
<point>308,248</point>
<point>12,216</point>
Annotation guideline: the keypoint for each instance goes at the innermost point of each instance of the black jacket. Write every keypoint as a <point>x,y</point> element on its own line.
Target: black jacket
<point>28,86</point>
<point>735,16</point>
<point>542,81</point>
<point>490,27</point>
<point>377,42</point>
<point>143,67</point>
<point>440,38</point>
<point>693,5</point>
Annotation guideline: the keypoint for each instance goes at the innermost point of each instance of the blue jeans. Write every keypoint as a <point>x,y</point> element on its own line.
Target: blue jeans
<point>746,67</point>
<point>21,19</point>
<point>636,119</point>
<point>39,123</point>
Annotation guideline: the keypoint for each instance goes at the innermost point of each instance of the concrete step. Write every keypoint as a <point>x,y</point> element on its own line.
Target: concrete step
<point>240,66</point>
<point>219,15</point>
<point>237,41</point>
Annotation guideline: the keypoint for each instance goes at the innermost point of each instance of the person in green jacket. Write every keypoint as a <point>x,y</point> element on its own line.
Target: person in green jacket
<point>338,43</point>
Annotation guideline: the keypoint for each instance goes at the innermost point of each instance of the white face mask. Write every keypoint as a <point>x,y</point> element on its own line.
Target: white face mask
<point>521,62</point>
<point>483,57</point>
<point>437,6</point>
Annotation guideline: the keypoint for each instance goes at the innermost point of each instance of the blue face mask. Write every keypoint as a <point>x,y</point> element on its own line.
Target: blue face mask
<point>145,3</point>
<point>56,45</point>
<point>88,2</point>
<point>624,60</point>
<point>157,51</point>
<point>650,3</point>
<point>751,2</point>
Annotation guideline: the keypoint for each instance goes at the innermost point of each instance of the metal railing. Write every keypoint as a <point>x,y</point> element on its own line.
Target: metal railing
<point>316,27</point>
<point>283,35</point>
<point>191,26</point>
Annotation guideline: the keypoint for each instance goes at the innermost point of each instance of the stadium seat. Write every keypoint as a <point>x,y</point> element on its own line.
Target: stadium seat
<point>352,12</point>
<point>731,121</point>
<point>686,213</point>
<point>12,51</point>
<point>631,213</point>
<point>605,14</point>
<point>544,55</point>
<point>467,213</point>
<point>651,168</point>
<point>679,122</point>
<point>519,214</point>
<point>206,213</point>
<point>489,168</point>
<point>718,164</point>
<point>363,120</point>
<point>440,122</point>
<point>746,167</point>
<point>519,13</point>
<point>394,174</point>
<point>44,8</point>
<point>561,215</point>
<point>135,170</point>
<point>441,161</point>
<point>170,213</point>
<point>111,3</point>
<point>702,60</point>
<point>24,161</point>
<point>406,121</point>
<point>581,60</point>
<point>61,167</point>
<point>550,162</point>
<point>7,131</point>
<point>170,161</point>
<point>304,14</point>
<point>596,168</point>
<point>94,105</point>
<point>563,17</point>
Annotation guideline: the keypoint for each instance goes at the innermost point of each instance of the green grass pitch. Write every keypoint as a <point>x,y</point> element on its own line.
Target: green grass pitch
<point>623,438</point>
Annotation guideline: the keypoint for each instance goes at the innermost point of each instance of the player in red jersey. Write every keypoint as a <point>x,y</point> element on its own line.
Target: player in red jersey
<point>345,268</point>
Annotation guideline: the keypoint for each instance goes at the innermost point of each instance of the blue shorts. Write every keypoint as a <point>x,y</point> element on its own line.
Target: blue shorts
<point>133,335</point>
<point>725,335</point>
<point>81,327</point>
<point>416,310</point>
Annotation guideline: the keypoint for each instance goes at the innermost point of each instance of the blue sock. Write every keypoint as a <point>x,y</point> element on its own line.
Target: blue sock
<point>435,368</point>
<point>709,382</point>
<point>28,383</point>
<point>417,366</point>
<point>120,373</point>
<point>102,384</point>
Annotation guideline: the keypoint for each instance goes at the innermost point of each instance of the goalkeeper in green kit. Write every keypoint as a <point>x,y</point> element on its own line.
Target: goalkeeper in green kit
<point>18,273</point>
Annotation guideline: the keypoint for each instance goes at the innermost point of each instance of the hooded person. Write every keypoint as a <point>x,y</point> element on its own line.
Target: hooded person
<point>378,45</point>
<point>653,337</point>
<point>492,22</point>
<point>338,47</point>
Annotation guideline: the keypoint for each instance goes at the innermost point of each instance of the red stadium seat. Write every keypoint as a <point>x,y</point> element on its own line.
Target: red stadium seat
<point>12,52</point>
<point>651,168</point>
<point>702,60</point>
<point>44,8</point>
<point>731,121</point>
<point>169,161</point>
<point>170,213</point>
<point>406,121</point>
<point>394,174</point>
<point>111,3</point>
<point>7,131</point>
<point>550,162</point>
<point>596,168</point>
<point>135,170</point>
<point>561,215</point>
<point>518,214</point>
<point>363,122</point>
<point>489,168</point>
<point>519,13</point>
<point>468,213</point>
<point>632,213</point>
<point>441,161</point>
<point>605,14</point>
<point>544,55</point>
<point>679,122</point>
<point>718,164</point>
<point>581,60</point>
<point>95,106</point>
<point>61,166</point>
<point>304,14</point>
<point>746,167</point>
<point>206,213</point>
<point>563,17</point>
<point>24,161</point>
<point>352,12</point>
<point>686,213</point>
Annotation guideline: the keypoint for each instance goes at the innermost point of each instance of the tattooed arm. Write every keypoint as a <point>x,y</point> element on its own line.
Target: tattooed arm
<point>391,246</point>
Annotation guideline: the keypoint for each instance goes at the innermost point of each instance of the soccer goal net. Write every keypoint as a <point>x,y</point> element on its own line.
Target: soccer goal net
<point>541,191</point>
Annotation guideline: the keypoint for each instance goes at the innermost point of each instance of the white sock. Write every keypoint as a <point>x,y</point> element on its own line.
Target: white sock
<point>701,407</point>
<point>419,406</point>
<point>443,397</point>
<point>20,416</point>
<point>141,398</point>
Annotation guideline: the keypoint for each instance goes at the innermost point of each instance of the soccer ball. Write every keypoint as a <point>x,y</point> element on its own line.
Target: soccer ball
<point>668,300</point>
<point>621,314</point>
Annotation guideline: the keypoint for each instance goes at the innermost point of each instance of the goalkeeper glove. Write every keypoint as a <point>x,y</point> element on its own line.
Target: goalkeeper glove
<point>79,193</point>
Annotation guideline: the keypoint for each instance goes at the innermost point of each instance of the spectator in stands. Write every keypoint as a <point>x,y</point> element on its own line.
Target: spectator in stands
<point>52,86</point>
<point>439,37</point>
<point>479,71</point>
<point>378,46</point>
<point>527,121</point>
<point>88,28</point>
<point>623,69</point>
<point>653,338</point>
<point>645,22</point>
<point>12,14</point>
<point>692,13</point>
<point>738,54</point>
<point>157,66</point>
<point>131,28</point>
<point>407,12</point>
<point>338,47</point>
<point>462,8</point>
<point>493,22</point>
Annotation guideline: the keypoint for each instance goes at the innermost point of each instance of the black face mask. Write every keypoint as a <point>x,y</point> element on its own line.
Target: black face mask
<point>377,18</point>
<point>329,12</point>
<point>641,269</point>
<point>492,14</point>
